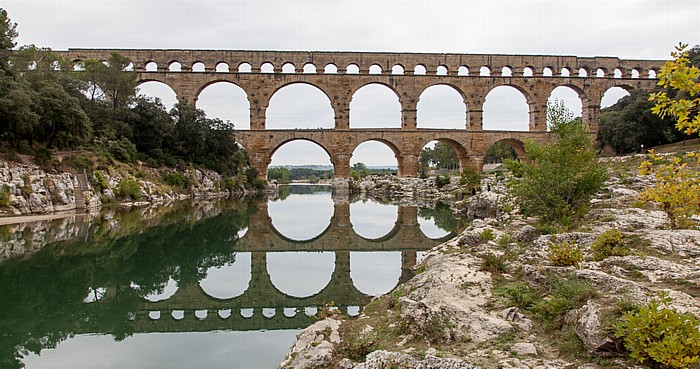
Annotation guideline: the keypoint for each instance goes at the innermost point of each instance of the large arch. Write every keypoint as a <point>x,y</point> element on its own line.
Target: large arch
<point>230,280</point>
<point>376,153</point>
<point>571,96</point>
<point>226,101</point>
<point>612,95</point>
<point>506,108</point>
<point>300,274</point>
<point>375,273</point>
<point>159,90</point>
<point>460,152</point>
<point>299,105</point>
<point>298,152</point>
<point>441,107</point>
<point>372,220</point>
<point>375,105</point>
<point>318,213</point>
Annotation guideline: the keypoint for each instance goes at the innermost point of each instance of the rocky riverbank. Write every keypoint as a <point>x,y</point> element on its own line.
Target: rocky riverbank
<point>494,298</point>
<point>28,189</point>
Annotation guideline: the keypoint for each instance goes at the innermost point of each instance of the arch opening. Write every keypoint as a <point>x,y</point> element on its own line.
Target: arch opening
<point>375,106</point>
<point>198,67</point>
<point>299,106</point>
<point>528,72</point>
<point>267,68</point>
<point>288,68</point>
<point>502,150</point>
<point>300,274</point>
<point>373,155</point>
<point>151,67</point>
<point>612,96</point>
<point>330,69</point>
<point>441,70</point>
<point>226,101</point>
<point>506,109</point>
<point>175,67</point>
<point>245,68</point>
<point>441,107</point>
<point>569,97</point>
<point>352,69</point>
<point>420,70</point>
<point>316,206</point>
<point>375,273</point>
<point>160,91</point>
<point>463,71</point>
<point>375,69</point>
<point>297,153</point>
<point>485,71</point>
<point>506,72</point>
<point>439,157</point>
<point>309,68</point>
<point>222,67</point>
<point>372,220</point>
<point>230,280</point>
<point>397,69</point>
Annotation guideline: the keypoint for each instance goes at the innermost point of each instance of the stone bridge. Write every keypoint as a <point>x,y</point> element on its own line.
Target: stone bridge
<point>340,74</point>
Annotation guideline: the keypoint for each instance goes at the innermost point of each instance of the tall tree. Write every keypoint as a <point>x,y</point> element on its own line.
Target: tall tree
<point>8,33</point>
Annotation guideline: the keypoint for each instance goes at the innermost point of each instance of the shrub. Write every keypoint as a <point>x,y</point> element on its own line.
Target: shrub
<point>129,188</point>
<point>486,235</point>
<point>469,176</point>
<point>505,240</point>
<point>662,335</point>
<point>79,162</point>
<point>441,181</point>
<point>563,295</point>
<point>4,195</point>
<point>493,263</point>
<point>27,186</point>
<point>100,182</point>
<point>565,253</point>
<point>610,243</point>
<point>175,179</point>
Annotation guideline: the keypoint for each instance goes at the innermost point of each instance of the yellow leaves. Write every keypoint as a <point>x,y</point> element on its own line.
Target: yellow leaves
<point>680,75</point>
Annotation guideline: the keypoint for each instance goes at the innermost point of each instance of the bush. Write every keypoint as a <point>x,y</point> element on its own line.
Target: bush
<point>129,188</point>
<point>79,162</point>
<point>4,195</point>
<point>441,181</point>
<point>469,176</point>
<point>565,253</point>
<point>486,235</point>
<point>493,263</point>
<point>610,243</point>
<point>27,186</point>
<point>175,179</point>
<point>662,335</point>
<point>100,182</point>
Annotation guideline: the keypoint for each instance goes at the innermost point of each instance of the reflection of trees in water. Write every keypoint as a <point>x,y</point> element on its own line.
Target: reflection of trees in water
<point>43,295</point>
<point>441,215</point>
<point>285,191</point>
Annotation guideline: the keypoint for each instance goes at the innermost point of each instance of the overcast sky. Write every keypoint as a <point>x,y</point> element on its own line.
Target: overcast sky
<point>630,29</point>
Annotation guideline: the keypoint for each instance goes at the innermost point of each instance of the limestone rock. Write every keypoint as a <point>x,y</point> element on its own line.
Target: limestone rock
<point>527,233</point>
<point>588,328</point>
<point>386,359</point>
<point>314,346</point>
<point>524,348</point>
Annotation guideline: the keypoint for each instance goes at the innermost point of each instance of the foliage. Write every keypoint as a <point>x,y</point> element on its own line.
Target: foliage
<point>560,176</point>
<point>560,295</point>
<point>661,335</point>
<point>4,195</point>
<point>609,243</point>
<point>493,263</point>
<point>677,187</point>
<point>486,235</point>
<point>500,151</point>
<point>469,177</point>
<point>129,188</point>
<point>79,162</point>
<point>441,156</point>
<point>287,175</point>
<point>175,179</point>
<point>100,181</point>
<point>441,215</point>
<point>681,76</point>
<point>565,253</point>
<point>442,181</point>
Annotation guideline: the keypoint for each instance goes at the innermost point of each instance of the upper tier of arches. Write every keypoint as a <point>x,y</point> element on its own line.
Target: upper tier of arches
<point>291,62</point>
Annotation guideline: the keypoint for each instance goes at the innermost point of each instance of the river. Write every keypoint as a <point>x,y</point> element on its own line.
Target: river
<point>200,285</point>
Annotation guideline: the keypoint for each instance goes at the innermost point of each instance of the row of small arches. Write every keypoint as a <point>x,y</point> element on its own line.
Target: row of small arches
<point>247,313</point>
<point>309,68</point>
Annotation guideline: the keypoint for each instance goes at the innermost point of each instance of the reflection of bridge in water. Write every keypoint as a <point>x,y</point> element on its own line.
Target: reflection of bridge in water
<point>264,305</point>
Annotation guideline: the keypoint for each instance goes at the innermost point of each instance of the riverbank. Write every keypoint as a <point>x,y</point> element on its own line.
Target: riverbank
<point>494,297</point>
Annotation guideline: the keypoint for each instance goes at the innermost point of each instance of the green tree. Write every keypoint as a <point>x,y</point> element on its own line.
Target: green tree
<point>8,33</point>
<point>499,152</point>
<point>560,177</point>
<point>108,80</point>
<point>360,168</point>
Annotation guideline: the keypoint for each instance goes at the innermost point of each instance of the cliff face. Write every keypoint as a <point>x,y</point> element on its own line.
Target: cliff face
<point>27,189</point>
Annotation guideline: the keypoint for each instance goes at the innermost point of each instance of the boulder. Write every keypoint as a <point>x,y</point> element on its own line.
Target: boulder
<point>588,329</point>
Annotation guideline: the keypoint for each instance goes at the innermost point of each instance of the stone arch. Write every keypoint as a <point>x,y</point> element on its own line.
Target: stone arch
<point>300,274</point>
<point>463,70</point>
<point>198,66</point>
<point>158,89</point>
<point>445,101</point>
<point>613,94</point>
<point>459,149</point>
<point>375,105</point>
<point>150,66</point>
<point>582,72</point>
<point>330,68</point>
<point>548,71</point>
<point>309,68</point>
<point>420,70</point>
<point>174,66</point>
<point>378,151</point>
<point>565,72</point>
<point>398,69</point>
<point>278,145</point>
<point>528,71</point>
<point>245,67</point>
<point>267,67</point>
<point>441,70</point>
<point>352,68</point>
<point>485,71</point>
<point>505,110</point>
<point>365,227</point>
<point>507,71</point>
<point>289,68</point>
<point>222,67</point>
<point>228,102</point>
<point>517,145</point>
<point>305,104</point>
<point>563,92</point>
<point>375,69</point>
<point>228,281</point>
<point>375,273</point>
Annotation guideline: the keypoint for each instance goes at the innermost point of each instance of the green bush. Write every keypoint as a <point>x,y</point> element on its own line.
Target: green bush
<point>442,181</point>
<point>4,195</point>
<point>486,235</point>
<point>27,186</point>
<point>175,179</point>
<point>100,182</point>
<point>493,263</point>
<point>505,240</point>
<point>565,253</point>
<point>79,162</point>
<point>129,188</point>
<point>469,176</point>
<point>610,243</point>
<point>661,335</point>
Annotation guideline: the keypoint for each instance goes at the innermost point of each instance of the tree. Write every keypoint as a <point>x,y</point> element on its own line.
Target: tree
<point>8,33</point>
<point>109,80</point>
<point>677,187</point>
<point>361,169</point>
<point>560,177</point>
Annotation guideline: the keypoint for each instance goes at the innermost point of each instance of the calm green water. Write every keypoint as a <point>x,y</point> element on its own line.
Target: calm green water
<point>226,285</point>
